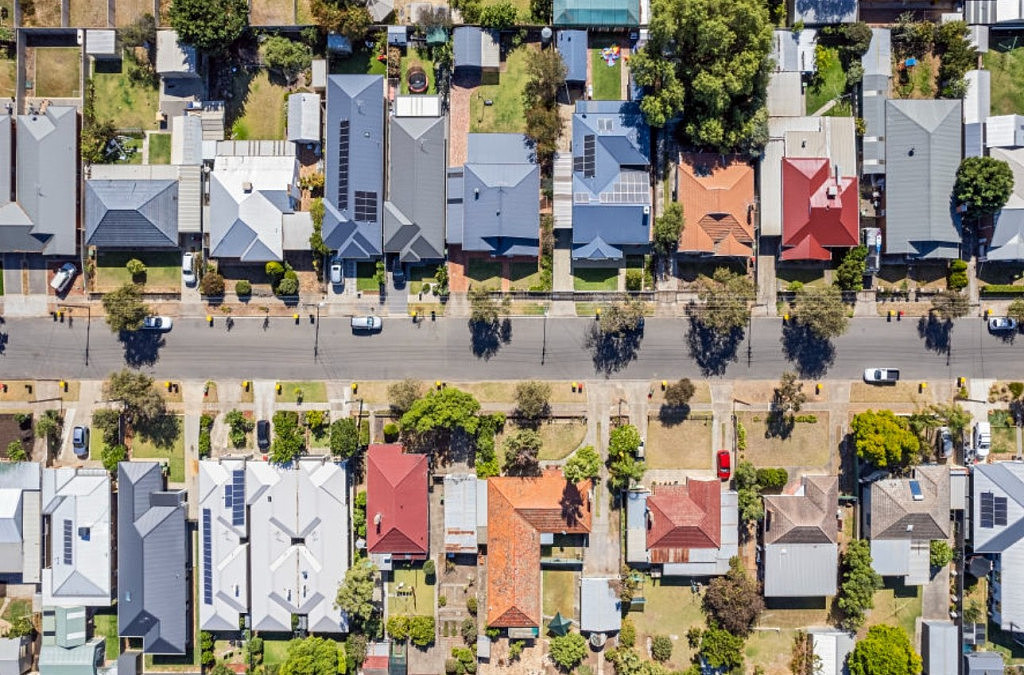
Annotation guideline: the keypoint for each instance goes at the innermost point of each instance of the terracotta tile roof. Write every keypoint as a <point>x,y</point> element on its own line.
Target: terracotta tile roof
<point>396,496</point>
<point>818,210</point>
<point>809,518</point>
<point>683,517</point>
<point>518,511</point>
<point>717,193</point>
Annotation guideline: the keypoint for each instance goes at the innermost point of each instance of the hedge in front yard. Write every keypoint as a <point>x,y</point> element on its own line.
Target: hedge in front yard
<point>1002,289</point>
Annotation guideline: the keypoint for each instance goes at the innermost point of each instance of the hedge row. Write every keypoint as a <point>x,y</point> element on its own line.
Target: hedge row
<point>1002,289</point>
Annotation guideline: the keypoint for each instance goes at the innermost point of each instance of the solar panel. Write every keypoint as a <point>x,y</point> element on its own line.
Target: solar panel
<point>589,142</point>
<point>68,533</point>
<point>366,206</point>
<point>227,496</point>
<point>238,487</point>
<point>987,509</point>
<point>915,491</point>
<point>343,142</point>
<point>999,511</point>
<point>207,559</point>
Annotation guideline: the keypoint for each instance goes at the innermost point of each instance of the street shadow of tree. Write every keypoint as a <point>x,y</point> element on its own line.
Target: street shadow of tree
<point>811,354</point>
<point>612,351</point>
<point>487,337</point>
<point>712,350</point>
<point>141,348</point>
<point>779,425</point>
<point>162,431</point>
<point>936,333</point>
<point>671,415</point>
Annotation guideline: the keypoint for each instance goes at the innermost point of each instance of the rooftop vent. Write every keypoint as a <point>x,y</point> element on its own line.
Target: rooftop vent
<point>247,187</point>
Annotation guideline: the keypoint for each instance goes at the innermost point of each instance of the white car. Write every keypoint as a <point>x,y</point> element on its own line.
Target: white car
<point>369,324</point>
<point>881,375</point>
<point>1002,324</point>
<point>157,323</point>
<point>337,279</point>
<point>188,273</point>
<point>62,279</point>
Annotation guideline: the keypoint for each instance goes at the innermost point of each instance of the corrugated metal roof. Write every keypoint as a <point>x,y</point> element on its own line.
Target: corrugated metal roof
<point>101,43</point>
<point>832,647</point>
<point>572,45</point>
<point>415,210</point>
<point>81,660</point>
<point>186,140</point>
<point>223,562</point>
<point>820,12</point>
<point>476,48</point>
<point>785,95</point>
<point>1004,480</point>
<point>304,118</point>
<point>794,51</point>
<point>939,647</point>
<point>596,14</point>
<point>978,98</point>
<point>1004,131</point>
<point>418,105</point>
<point>983,663</point>
<point>877,60</point>
<point>600,607</point>
<point>800,570</point>
<point>460,512</point>
<point>131,213</point>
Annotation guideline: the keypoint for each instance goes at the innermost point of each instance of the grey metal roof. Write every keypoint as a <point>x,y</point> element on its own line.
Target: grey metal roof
<point>600,607</point>
<point>1008,238</point>
<point>187,140</point>
<point>572,45</point>
<point>357,101</point>
<point>460,512</point>
<point>922,154</point>
<point>800,570</point>
<point>20,520</point>
<point>939,640</point>
<point>476,48</point>
<point>820,12</point>
<point>877,60</point>
<point>1002,480</point>
<point>101,43</point>
<point>875,92</point>
<point>152,552</point>
<point>785,94</point>
<point>131,213</point>
<point>174,59</point>
<point>794,51</point>
<point>304,118</point>
<point>223,563</point>
<point>983,663</point>
<point>978,98</point>
<point>81,660</point>
<point>414,213</point>
<point>832,647</point>
<point>1006,131</point>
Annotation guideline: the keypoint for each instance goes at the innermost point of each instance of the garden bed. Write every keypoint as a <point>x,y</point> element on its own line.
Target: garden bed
<point>11,430</point>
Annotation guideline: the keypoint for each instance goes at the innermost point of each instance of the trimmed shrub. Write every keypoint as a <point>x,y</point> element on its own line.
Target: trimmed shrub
<point>243,288</point>
<point>391,432</point>
<point>1002,289</point>
<point>212,285</point>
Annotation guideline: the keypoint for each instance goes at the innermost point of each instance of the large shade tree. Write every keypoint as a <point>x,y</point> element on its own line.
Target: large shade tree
<point>885,650</point>
<point>984,184</point>
<point>210,25</point>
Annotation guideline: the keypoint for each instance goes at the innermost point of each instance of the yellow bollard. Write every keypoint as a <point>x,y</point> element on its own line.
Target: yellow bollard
<point>597,313</point>
<point>278,388</point>
<point>817,389</point>
<point>437,384</point>
<point>785,318</point>
<point>209,319</point>
<point>355,387</point>
<point>922,387</point>
<point>168,385</point>
<point>574,387</point>
<point>664,385</point>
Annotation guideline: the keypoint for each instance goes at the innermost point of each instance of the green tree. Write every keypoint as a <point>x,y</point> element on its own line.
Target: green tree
<point>622,318</point>
<point>533,400</point>
<point>722,649</point>
<point>822,311</point>
<point>678,394</point>
<point>139,33</point>
<point>623,441</point>
<point>442,410</point>
<point>521,451</point>
<point>850,273</point>
<point>108,422</point>
<point>751,507</point>
<point>984,184</point>
<point>289,57</point>
<point>209,25</point>
<point>883,439</point>
<point>484,309</point>
<point>137,393</point>
<point>940,553</point>
<point>667,229</point>
<point>885,650</point>
<point>789,396</point>
<point>334,16</point>
<point>499,16</point>
<point>238,426</point>
<point>734,601</point>
<point>402,395</point>
<point>567,651</point>
<point>344,437</point>
<point>956,276</point>
<point>21,627</point>
<point>624,471</point>
<point>422,630</point>
<point>1016,311</point>
<point>16,451</point>
<point>212,285</point>
<point>584,464</point>
<point>289,440</point>
<point>135,267</point>
<point>124,308</point>
<point>661,648</point>
<point>111,455</point>
<point>657,74</point>
<point>725,301</point>
<point>355,594</point>
<point>49,425</point>
<point>858,585</point>
<point>311,656</point>
<point>221,669</point>
<point>545,79</point>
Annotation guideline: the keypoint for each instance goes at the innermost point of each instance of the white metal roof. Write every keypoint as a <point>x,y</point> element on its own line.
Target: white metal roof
<point>417,106</point>
<point>228,573</point>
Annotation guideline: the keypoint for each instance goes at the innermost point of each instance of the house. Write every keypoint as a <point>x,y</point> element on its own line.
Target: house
<point>994,12</point>
<point>1004,131</point>
<point>298,523</point>
<point>132,214</point>
<point>1007,240</point>
<point>465,513</point>
<point>794,51</point>
<point>939,647</point>
<point>922,154</point>
<point>719,205</point>
<point>175,59</point>
<point>801,554</point>
<point>822,12</point>
<point>831,647</point>
<point>688,530</point>
<point>65,649</point>
<point>475,51</point>
<point>304,118</point>
<point>20,522</point>
<point>820,208</point>
<point>877,64</point>
<point>522,514</point>
<point>977,103</point>
<point>76,514</point>
<point>983,663</point>
<point>611,205</point>
<point>38,197</point>
<point>254,196</point>
<point>597,14</point>
<point>354,173</point>
<point>494,199</point>
<point>572,46</point>
<point>101,44</point>
<point>396,504</point>
<point>997,521</point>
<point>224,558</point>
<point>15,655</point>
<point>414,224</point>
<point>902,516</point>
<point>153,586</point>
<point>600,607</point>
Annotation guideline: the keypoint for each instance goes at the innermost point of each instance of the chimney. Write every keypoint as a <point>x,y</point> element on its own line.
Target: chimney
<point>377,520</point>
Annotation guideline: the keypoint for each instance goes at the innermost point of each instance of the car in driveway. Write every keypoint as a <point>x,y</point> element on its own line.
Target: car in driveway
<point>881,375</point>
<point>80,441</point>
<point>62,279</point>
<point>337,279</point>
<point>188,272</point>
<point>162,323</point>
<point>263,434</point>
<point>398,273</point>
<point>982,439</point>
<point>724,464</point>
<point>1002,324</point>
<point>945,442</point>
<point>366,324</point>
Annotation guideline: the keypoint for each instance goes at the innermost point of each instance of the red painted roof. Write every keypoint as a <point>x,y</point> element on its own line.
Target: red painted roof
<point>396,501</point>
<point>684,517</point>
<point>817,210</point>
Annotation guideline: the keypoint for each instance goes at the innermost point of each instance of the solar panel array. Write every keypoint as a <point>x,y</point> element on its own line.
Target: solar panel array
<point>999,511</point>
<point>207,558</point>
<point>238,497</point>
<point>987,509</point>
<point>227,496</point>
<point>68,543</point>
<point>343,142</point>
<point>632,187</point>
<point>366,206</point>
<point>585,164</point>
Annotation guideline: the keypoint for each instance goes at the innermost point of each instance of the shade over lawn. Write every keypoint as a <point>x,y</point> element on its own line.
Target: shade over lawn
<point>170,447</point>
<point>485,273</point>
<point>259,108</point>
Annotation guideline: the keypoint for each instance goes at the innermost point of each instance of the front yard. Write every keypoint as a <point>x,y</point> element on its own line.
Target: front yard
<point>484,273</point>
<point>312,392</point>
<point>806,446</point>
<point>505,113</point>
<point>162,275</point>
<point>170,447</point>
<point>682,445</point>
<point>596,278</point>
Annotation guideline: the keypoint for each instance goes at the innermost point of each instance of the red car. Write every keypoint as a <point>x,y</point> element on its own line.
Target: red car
<point>724,464</point>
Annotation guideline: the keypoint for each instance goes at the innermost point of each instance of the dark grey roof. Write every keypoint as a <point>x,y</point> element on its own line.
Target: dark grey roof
<point>357,100</point>
<point>131,213</point>
<point>922,154</point>
<point>572,45</point>
<point>983,663</point>
<point>475,48</point>
<point>152,553</point>
<point>415,209</point>
<point>896,514</point>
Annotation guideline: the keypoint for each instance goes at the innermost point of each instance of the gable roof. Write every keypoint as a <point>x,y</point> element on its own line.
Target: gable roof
<point>20,521</point>
<point>1007,241</point>
<point>354,172</point>
<point>1002,482</point>
<point>819,206</point>
<point>249,197</point>
<point>465,512</point>
<point>572,45</point>
<point>597,13</point>
<point>415,209</point>
<point>475,48</point>
<point>396,501</point>
<point>518,511</point>
<point>131,213</point>
<point>717,196</point>
<point>681,517</point>
<point>895,514</point>
<point>152,589</point>
<point>304,118</point>
<point>224,553</point>
<point>922,154</point>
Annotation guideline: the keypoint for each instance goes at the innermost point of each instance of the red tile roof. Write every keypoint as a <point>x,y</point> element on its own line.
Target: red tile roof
<point>818,211</point>
<point>396,501</point>
<point>683,517</point>
<point>518,510</point>
<point>717,193</point>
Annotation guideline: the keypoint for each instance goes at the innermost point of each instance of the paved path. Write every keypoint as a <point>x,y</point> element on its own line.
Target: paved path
<point>603,559</point>
<point>192,396</point>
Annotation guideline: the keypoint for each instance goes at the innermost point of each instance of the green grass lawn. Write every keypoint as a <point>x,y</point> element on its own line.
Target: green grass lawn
<point>17,608</point>
<point>106,625</point>
<point>829,82</point>
<point>607,80</point>
<point>160,149</point>
<point>522,5</point>
<point>173,451</point>
<point>163,270</point>
<point>360,62</point>
<point>263,109</point>
<point>129,104</point>
<point>133,151</point>
<point>897,605</point>
<point>807,277</point>
<point>506,114</point>
<point>672,608</point>
<point>364,277</point>
<point>419,602</point>
<point>274,651</point>
<point>57,71</point>
<point>559,588</point>
<point>418,276</point>
<point>8,76</point>
<point>1006,62</point>
<point>523,275</point>
<point>596,278</point>
<point>486,273</point>
<point>418,57</point>
<point>312,392</point>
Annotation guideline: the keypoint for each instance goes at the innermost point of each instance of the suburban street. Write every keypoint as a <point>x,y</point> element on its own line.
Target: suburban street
<point>193,350</point>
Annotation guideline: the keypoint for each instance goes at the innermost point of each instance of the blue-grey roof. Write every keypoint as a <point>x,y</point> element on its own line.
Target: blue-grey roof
<point>800,570</point>
<point>922,154</point>
<point>610,182</point>
<point>821,12</point>
<point>475,48</point>
<point>339,44</point>
<point>152,549</point>
<point>131,213</point>
<point>398,35</point>
<point>415,209</point>
<point>983,663</point>
<point>572,45</point>
<point>304,118</point>
<point>354,165</point>
<point>81,660</point>
<point>1008,238</point>
<point>877,62</point>
<point>600,607</point>
<point>597,13</point>
<point>939,647</point>
<point>1001,537</point>
<point>494,205</point>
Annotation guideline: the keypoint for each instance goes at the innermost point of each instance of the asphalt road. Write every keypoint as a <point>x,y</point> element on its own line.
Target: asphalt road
<point>43,348</point>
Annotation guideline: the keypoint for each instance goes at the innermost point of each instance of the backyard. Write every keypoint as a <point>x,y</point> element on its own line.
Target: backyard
<point>559,588</point>
<point>261,111</point>
<point>807,445</point>
<point>106,625</point>
<point>679,445</point>
<point>596,278</point>
<point>896,605</point>
<point>8,77</point>
<point>362,61</point>
<point>131,105</point>
<point>607,80</point>
<point>88,13</point>
<point>272,13</point>
<point>421,58</point>
<point>170,447</point>
<point>56,72</point>
<point>1005,60</point>
<point>39,13</point>
<point>159,148</point>
<point>409,593</point>
<point>671,608</point>
<point>916,81</point>
<point>162,275</point>
<point>505,114</point>
<point>828,83</point>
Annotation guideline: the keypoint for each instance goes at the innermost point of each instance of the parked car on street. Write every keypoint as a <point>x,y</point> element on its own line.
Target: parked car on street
<point>336,276</point>
<point>724,464</point>
<point>188,273</point>
<point>263,434</point>
<point>368,324</point>
<point>62,279</point>
<point>80,441</point>
<point>163,323</point>
<point>1002,324</point>
<point>881,375</point>
<point>945,442</point>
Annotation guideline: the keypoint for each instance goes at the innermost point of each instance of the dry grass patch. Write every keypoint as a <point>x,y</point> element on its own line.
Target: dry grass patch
<point>505,392</point>
<point>672,608</point>
<point>45,13</point>
<point>57,72</point>
<point>808,444</point>
<point>685,445</point>
<point>896,605</point>
<point>901,392</point>
<point>701,392</point>
<point>8,78</point>
<point>559,590</point>
<point>561,438</point>
<point>272,13</point>
<point>126,12</point>
<point>91,13</point>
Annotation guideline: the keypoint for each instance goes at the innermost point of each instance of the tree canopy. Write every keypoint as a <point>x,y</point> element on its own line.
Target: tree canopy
<point>442,410</point>
<point>344,437</point>
<point>584,464</point>
<point>667,228</point>
<point>545,78</point>
<point>858,585</point>
<point>984,184</point>
<point>533,399</point>
<point>209,25</point>
<point>883,439</point>
<point>734,601</point>
<point>822,311</point>
<point>137,393</point>
<point>678,394</point>
<point>850,273</point>
<point>124,308</point>
<point>311,656</point>
<point>885,650</point>
<point>725,301</point>
<point>623,440</point>
<point>355,594</point>
<point>568,650</point>
<point>521,451</point>
<point>289,57</point>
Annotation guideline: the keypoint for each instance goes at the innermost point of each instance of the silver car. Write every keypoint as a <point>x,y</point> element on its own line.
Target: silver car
<point>80,441</point>
<point>945,442</point>
<point>157,323</point>
<point>188,274</point>
<point>1002,324</point>
<point>369,324</point>
<point>337,279</point>
<point>62,279</point>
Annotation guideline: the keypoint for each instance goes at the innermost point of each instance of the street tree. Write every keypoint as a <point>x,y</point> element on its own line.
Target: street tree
<point>949,305</point>
<point>485,309</point>
<point>311,656</point>
<point>567,651</point>
<point>885,650</point>
<point>667,229</point>
<point>124,308</point>
<point>442,410</point>
<point>623,441</point>
<point>858,585</point>
<point>355,594</point>
<point>622,318</point>
<point>822,311</point>
<point>344,440</point>
<point>883,439</point>
<point>850,273</point>
<point>533,400</point>
<point>521,451</point>
<point>984,184</point>
<point>678,394</point>
<point>584,464</point>
<point>141,401</point>
<point>787,400</point>
<point>402,394</point>
<point>209,25</point>
<point>734,601</point>
<point>725,301</point>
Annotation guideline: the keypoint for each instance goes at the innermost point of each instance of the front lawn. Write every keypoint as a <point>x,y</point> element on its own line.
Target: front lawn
<point>505,114</point>
<point>170,447</point>
<point>829,82</point>
<point>596,278</point>
<point>1005,60</point>
<point>258,108</point>
<point>163,271</point>
<point>364,277</point>
<point>683,445</point>
<point>57,72</point>
<point>159,148</point>
<point>559,439</point>
<point>807,445</point>
<point>607,80</point>
<point>485,273</point>
<point>409,593</point>
<point>523,276</point>
<point>312,392</point>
